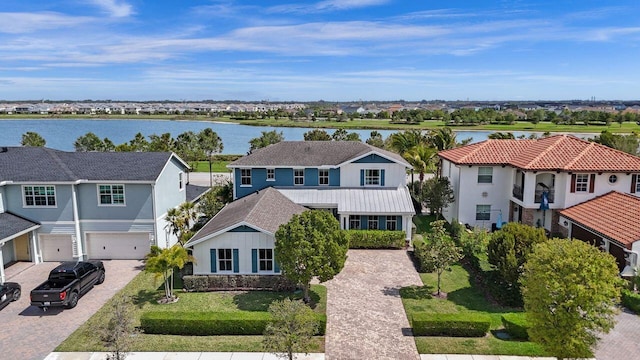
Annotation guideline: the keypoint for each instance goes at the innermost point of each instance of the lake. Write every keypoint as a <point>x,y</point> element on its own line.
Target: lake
<point>62,133</point>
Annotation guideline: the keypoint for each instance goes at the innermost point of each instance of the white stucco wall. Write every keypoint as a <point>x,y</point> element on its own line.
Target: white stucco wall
<point>243,241</point>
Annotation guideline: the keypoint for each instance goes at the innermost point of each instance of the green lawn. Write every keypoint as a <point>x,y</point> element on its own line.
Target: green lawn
<point>462,298</point>
<point>144,291</point>
<point>216,166</point>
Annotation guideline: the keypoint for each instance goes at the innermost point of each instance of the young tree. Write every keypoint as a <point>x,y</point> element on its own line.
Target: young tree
<point>437,194</point>
<point>375,139</point>
<point>309,245</point>
<point>267,138</point>
<point>33,139</point>
<point>438,252</point>
<point>119,330</point>
<point>317,135</point>
<point>291,330</point>
<point>89,142</point>
<point>161,262</point>
<point>570,292</point>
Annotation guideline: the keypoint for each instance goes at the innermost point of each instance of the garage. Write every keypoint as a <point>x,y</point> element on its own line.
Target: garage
<point>56,247</point>
<point>8,253</point>
<point>120,246</point>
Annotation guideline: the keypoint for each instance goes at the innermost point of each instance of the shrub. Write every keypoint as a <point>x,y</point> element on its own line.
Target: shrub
<point>375,239</point>
<point>631,300</point>
<point>463,325</point>
<point>211,323</point>
<point>516,325</point>
<point>237,282</point>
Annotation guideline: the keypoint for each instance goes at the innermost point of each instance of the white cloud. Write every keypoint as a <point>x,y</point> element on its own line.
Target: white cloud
<point>21,22</point>
<point>115,8</point>
<point>325,6</point>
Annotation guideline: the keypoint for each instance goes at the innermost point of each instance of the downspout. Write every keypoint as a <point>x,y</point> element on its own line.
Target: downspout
<point>76,222</point>
<point>154,241</point>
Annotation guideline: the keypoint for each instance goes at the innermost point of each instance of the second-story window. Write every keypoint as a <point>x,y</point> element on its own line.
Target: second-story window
<point>323,176</point>
<point>485,175</point>
<point>298,177</point>
<point>635,183</point>
<point>372,177</point>
<point>245,177</point>
<point>39,195</point>
<point>181,181</point>
<point>271,174</point>
<point>582,182</point>
<point>111,194</point>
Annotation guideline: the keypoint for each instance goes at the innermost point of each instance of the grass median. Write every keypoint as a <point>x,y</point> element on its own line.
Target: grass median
<point>144,292</point>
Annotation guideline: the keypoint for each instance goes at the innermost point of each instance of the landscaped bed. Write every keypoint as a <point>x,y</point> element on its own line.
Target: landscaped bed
<point>144,291</point>
<point>462,298</point>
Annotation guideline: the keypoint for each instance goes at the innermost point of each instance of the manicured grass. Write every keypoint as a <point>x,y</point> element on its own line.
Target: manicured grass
<point>462,297</point>
<point>144,291</point>
<point>216,166</point>
<point>423,223</point>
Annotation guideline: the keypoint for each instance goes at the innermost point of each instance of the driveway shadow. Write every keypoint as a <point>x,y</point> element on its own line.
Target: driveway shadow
<point>36,311</point>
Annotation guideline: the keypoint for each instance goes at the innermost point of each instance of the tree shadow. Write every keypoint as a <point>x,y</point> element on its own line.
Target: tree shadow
<point>260,300</point>
<point>417,292</point>
<point>144,297</point>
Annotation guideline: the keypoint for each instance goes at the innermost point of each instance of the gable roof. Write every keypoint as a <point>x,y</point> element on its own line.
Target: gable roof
<point>312,154</point>
<point>559,152</point>
<point>41,164</point>
<point>12,225</point>
<point>266,210</point>
<point>614,215</point>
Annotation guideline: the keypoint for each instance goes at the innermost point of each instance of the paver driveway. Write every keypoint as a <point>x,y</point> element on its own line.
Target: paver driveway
<point>365,316</point>
<point>29,333</point>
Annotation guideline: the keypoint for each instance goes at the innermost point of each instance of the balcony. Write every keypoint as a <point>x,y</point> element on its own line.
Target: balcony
<point>538,196</point>
<point>517,192</point>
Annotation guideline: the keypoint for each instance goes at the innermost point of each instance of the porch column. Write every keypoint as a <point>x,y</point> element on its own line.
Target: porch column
<point>79,253</point>
<point>344,225</point>
<point>35,251</point>
<point>2,279</point>
<point>406,225</point>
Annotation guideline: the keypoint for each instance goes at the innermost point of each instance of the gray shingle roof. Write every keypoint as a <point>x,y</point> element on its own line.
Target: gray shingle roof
<point>266,209</point>
<point>195,191</point>
<point>311,153</point>
<point>48,165</point>
<point>12,224</point>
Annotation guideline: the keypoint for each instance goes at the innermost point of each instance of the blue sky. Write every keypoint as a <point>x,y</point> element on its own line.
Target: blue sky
<point>333,50</point>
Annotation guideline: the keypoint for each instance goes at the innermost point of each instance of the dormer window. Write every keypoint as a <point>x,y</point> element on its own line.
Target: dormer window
<point>271,174</point>
<point>372,177</point>
<point>323,177</point>
<point>298,177</point>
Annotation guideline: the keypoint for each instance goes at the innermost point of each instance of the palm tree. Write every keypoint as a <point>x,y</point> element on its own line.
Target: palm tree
<point>401,142</point>
<point>421,158</point>
<point>442,138</point>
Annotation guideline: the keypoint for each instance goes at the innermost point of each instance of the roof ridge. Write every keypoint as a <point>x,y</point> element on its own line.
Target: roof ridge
<point>62,164</point>
<point>258,201</point>
<point>590,146</point>
<point>547,149</point>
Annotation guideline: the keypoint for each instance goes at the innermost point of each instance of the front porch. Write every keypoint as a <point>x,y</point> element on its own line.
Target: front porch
<point>17,241</point>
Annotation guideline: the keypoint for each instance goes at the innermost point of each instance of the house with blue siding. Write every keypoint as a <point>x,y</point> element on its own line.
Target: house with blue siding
<point>364,187</point>
<point>60,206</point>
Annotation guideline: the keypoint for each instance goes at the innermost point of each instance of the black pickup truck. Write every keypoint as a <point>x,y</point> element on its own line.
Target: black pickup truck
<point>66,283</point>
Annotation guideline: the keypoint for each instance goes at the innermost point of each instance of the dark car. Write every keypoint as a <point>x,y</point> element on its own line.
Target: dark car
<point>9,292</point>
<point>67,283</point>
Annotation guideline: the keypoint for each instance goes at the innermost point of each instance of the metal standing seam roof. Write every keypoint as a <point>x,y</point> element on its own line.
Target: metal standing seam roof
<point>11,224</point>
<point>39,164</point>
<point>559,152</point>
<point>614,215</point>
<point>354,200</point>
<point>312,154</point>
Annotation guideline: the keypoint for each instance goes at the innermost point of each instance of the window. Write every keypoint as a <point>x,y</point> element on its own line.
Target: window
<point>111,194</point>
<point>635,183</point>
<point>265,259</point>
<point>245,177</point>
<point>323,176</point>
<point>373,223</point>
<point>225,260</point>
<point>298,177</point>
<point>372,177</point>
<point>39,195</point>
<point>582,182</point>
<point>483,212</point>
<point>271,174</point>
<point>391,223</point>
<point>354,221</point>
<point>485,175</point>
<point>613,179</point>
<point>180,181</point>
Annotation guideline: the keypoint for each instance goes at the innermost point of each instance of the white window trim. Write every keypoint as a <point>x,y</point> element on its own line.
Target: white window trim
<point>320,177</point>
<point>479,174</point>
<point>377,222</point>
<point>274,174</point>
<point>181,186</point>
<point>379,177</point>
<point>124,195</point>
<point>219,259</point>
<point>586,183</point>
<point>392,219</point>
<point>273,261</point>
<point>55,197</point>
<point>487,212</point>
<point>241,176</point>
<point>294,177</point>
<point>359,219</point>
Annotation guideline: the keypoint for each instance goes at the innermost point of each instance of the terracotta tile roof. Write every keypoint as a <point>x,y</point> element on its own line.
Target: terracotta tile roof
<point>559,152</point>
<point>614,215</point>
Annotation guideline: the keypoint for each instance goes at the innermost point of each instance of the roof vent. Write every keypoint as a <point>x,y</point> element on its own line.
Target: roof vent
<point>485,194</point>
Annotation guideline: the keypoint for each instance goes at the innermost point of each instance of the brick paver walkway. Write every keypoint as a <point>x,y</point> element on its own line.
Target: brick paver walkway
<point>622,341</point>
<point>365,317</point>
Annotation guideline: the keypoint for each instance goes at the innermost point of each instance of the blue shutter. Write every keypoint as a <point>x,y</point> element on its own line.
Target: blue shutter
<point>362,177</point>
<point>364,222</point>
<point>254,260</point>
<point>382,177</point>
<point>382,222</point>
<point>276,266</point>
<point>236,261</point>
<point>399,223</point>
<point>214,262</point>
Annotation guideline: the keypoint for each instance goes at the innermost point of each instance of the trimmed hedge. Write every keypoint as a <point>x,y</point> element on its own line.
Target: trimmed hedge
<point>202,283</point>
<point>631,300</point>
<point>199,323</point>
<point>516,325</point>
<point>375,239</point>
<point>463,325</point>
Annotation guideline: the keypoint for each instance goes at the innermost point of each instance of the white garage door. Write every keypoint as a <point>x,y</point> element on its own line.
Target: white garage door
<point>117,245</point>
<point>56,247</point>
